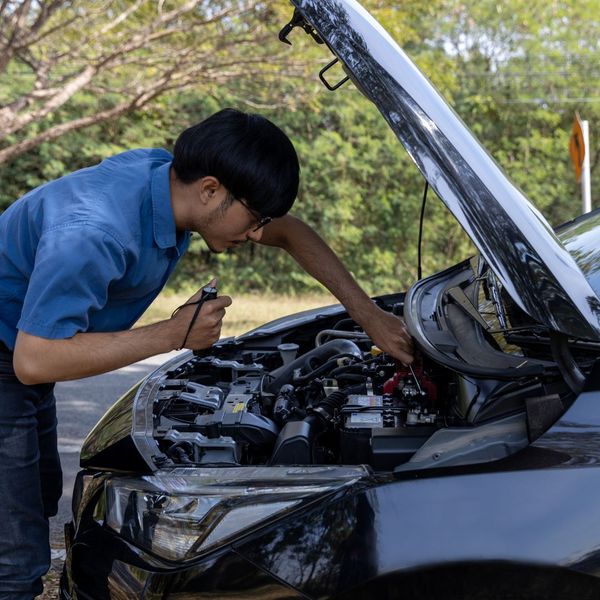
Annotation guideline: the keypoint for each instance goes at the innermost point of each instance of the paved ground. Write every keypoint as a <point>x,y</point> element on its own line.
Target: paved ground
<point>79,405</point>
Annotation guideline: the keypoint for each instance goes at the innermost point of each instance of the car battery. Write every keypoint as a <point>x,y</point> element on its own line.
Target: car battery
<point>374,430</point>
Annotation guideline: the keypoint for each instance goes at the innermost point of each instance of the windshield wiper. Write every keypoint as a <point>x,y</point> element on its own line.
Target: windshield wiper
<point>463,301</point>
<point>497,301</point>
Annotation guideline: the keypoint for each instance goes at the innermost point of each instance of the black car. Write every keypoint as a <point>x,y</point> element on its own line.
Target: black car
<point>298,461</point>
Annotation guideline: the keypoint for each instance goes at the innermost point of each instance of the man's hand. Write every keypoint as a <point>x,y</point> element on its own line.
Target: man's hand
<point>41,360</point>
<point>389,333</point>
<point>206,330</point>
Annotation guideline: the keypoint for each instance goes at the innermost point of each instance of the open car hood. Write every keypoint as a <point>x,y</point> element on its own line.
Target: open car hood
<point>512,236</point>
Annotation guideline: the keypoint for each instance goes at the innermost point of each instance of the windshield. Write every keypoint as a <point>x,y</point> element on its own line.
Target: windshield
<point>497,309</point>
<point>506,321</point>
<point>582,239</point>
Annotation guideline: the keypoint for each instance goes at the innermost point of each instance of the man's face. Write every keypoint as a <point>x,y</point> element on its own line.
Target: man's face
<point>228,223</point>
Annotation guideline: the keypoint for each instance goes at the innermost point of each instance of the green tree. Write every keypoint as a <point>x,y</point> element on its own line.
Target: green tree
<point>66,65</point>
<point>510,71</point>
<point>522,70</point>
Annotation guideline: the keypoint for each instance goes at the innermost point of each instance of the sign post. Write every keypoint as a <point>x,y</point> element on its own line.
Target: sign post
<point>579,144</point>
<point>586,184</point>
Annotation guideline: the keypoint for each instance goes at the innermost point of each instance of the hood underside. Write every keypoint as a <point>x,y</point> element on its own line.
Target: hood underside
<point>512,236</point>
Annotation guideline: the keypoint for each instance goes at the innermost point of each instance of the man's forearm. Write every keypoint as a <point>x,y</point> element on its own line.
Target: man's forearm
<point>316,258</point>
<point>41,360</point>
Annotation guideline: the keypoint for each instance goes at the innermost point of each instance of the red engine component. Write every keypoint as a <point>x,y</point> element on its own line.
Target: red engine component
<point>403,373</point>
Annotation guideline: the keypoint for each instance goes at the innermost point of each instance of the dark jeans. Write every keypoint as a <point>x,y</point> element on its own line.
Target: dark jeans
<point>30,482</point>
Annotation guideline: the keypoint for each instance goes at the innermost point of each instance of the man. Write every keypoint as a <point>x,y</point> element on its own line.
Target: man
<point>82,257</point>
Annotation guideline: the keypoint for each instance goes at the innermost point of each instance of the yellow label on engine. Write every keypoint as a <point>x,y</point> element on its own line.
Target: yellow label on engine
<point>239,407</point>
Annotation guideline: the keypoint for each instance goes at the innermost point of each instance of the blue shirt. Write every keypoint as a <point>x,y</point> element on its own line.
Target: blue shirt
<point>89,251</point>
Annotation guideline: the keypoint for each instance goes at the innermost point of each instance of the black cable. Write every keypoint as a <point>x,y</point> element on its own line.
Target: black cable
<point>208,293</point>
<point>419,271</point>
<point>198,304</point>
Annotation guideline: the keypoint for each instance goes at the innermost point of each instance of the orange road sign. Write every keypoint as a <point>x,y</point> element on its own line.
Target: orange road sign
<point>577,146</point>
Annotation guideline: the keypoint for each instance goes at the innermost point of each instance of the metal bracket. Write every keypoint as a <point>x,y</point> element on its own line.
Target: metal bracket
<point>326,68</point>
<point>298,20</point>
<point>569,369</point>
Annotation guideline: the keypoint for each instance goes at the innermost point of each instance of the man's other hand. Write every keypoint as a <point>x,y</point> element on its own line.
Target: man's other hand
<point>389,333</point>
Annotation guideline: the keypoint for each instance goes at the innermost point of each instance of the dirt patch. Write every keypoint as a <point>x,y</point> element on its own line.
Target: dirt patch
<point>51,581</point>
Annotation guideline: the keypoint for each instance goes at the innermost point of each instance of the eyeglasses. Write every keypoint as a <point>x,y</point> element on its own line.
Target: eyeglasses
<point>260,221</point>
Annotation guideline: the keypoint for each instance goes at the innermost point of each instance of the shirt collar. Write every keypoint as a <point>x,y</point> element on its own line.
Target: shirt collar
<point>164,228</point>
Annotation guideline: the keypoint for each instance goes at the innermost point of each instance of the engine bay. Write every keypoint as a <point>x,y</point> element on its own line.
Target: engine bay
<point>312,389</point>
<point>341,402</point>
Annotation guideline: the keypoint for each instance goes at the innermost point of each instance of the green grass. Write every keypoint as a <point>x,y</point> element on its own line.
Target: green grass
<point>246,312</point>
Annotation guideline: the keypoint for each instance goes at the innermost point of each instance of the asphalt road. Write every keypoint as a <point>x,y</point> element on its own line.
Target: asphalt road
<point>79,405</point>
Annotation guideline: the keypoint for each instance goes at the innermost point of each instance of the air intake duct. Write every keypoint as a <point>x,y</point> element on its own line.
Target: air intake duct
<point>295,443</point>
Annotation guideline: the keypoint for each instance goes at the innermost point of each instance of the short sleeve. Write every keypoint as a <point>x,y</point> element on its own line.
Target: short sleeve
<point>74,267</point>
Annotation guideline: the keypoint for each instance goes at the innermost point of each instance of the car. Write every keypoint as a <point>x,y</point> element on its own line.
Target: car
<point>299,461</point>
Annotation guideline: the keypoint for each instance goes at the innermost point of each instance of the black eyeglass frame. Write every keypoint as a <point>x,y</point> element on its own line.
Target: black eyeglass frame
<point>261,221</point>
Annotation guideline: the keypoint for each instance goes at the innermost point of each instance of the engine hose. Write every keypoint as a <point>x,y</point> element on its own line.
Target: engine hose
<point>180,453</point>
<point>322,414</point>
<point>350,377</point>
<point>350,335</point>
<point>326,408</point>
<point>355,368</point>
<point>285,373</point>
<point>332,362</point>
<point>341,322</point>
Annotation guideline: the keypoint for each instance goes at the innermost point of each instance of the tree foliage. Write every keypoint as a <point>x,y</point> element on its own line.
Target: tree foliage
<point>514,72</point>
<point>523,69</point>
<point>100,60</point>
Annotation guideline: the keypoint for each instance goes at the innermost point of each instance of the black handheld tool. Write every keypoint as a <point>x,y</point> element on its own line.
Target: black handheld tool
<point>209,292</point>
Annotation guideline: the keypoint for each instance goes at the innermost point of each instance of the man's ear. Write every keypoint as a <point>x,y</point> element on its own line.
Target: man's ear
<point>206,188</point>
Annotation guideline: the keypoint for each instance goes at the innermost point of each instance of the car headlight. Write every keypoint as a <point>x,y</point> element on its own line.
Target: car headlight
<point>184,512</point>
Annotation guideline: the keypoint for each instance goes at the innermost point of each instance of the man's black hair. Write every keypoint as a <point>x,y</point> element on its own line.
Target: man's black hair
<point>247,153</point>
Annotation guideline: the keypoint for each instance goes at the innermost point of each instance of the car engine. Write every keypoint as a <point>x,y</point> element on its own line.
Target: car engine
<point>343,401</point>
